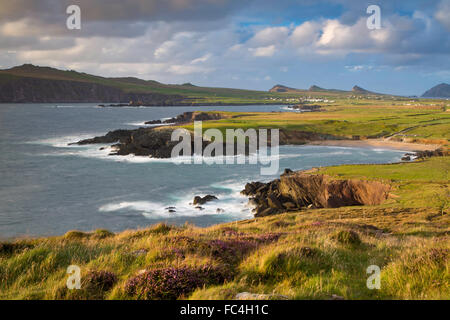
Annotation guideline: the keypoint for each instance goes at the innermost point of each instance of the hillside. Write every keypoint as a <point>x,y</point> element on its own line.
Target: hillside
<point>306,254</point>
<point>29,83</point>
<point>440,91</point>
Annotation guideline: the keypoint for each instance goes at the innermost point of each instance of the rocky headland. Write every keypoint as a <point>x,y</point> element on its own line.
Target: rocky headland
<point>299,190</point>
<point>153,142</point>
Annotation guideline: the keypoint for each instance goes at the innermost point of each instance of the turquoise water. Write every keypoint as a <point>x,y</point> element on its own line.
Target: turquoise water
<point>48,188</point>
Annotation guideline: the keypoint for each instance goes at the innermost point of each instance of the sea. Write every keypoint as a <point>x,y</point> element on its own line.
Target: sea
<point>48,187</point>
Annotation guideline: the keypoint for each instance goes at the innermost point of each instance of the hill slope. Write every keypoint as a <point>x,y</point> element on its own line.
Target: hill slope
<point>307,254</point>
<point>29,83</point>
<point>440,91</point>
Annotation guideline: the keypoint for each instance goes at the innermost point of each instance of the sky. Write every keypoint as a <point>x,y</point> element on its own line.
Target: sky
<point>251,44</point>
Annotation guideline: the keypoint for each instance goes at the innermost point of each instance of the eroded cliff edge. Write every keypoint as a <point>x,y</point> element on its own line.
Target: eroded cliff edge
<point>297,190</point>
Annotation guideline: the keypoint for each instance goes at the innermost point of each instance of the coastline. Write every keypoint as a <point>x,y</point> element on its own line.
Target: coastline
<point>376,143</point>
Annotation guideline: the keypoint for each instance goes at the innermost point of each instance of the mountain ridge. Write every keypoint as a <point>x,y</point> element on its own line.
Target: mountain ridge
<point>33,84</point>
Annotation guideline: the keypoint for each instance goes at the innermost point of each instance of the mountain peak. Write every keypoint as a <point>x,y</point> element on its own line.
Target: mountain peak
<point>440,91</point>
<point>281,88</point>
<point>358,89</point>
<point>316,88</point>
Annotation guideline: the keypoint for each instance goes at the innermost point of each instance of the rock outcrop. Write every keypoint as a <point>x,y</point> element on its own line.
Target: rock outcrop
<point>152,142</point>
<point>441,152</point>
<point>202,200</point>
<point>189,117</point>
<point>195,116</point>
<point>297,190</point>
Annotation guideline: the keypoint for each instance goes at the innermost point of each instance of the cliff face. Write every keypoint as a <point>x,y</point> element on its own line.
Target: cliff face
<point>35,90</point>
<point>296,190</point>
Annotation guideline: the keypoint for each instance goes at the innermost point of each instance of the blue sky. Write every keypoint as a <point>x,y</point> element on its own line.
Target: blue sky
<point>252,44</point>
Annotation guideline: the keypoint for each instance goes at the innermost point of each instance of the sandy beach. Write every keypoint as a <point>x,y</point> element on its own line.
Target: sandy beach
<point>377,143</point>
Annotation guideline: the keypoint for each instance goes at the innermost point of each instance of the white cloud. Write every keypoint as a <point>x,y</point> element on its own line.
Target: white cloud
<point>443,14</point>
<point>269,36</point>
<point>202,59</point>
<point>306,33</point>
<point>188,69</point>
<point>263,51</point>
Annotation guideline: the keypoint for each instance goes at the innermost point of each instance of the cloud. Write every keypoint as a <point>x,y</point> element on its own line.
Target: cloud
<point>188,69</point>
<point>221,41</point>
<point>263,51</point>
<point>269,36</point>
<point>306,33</point>
<point>443,14</point>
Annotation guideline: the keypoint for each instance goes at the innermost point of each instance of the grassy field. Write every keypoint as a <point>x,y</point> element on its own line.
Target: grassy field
<point>310,254</point>
<point>425,123</point>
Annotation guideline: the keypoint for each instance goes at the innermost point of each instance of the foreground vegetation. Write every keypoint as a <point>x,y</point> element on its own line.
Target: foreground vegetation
<point>310,254</point>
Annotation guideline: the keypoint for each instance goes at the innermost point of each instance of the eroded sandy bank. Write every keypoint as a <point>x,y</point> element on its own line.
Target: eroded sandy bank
<point>377,143</point>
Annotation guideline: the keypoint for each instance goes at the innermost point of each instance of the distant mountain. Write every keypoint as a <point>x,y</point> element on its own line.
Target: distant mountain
<point>317,89</point>
<point>440,91</point>
<point>30,83</point>
<point>281,88</point>
<point>360,90</point>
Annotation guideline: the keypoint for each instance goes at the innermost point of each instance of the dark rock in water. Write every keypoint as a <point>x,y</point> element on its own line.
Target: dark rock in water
<point>153,142</point>
<point>110,137</point>
<point>194,116</point>
<point>205,199</point>
<point>298,190</point>
<point>441,152</point>
<point>250,188</point>
<point>153,122</point>
<point>199,208</point>
<point>220,210</point>
<point>304,107</point>
<point>406,158</point>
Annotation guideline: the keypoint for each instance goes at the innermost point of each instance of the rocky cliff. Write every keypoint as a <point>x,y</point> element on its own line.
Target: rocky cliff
<point>297,190</point>
<point>35,90</point>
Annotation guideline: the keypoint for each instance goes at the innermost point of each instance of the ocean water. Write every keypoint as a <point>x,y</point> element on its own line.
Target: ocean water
<point>48,187</point>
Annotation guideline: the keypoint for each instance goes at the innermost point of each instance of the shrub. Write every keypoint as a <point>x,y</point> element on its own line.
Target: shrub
<point>94,285</point>
<point>268,237</point>
<point>102,234</point>
<point>231,250</point>
<point>172,283</point>
<point>76,235</point>
<point>347,237</point>
<point>10,248</point>
<point>100,280</point>
<point>161,228</point>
